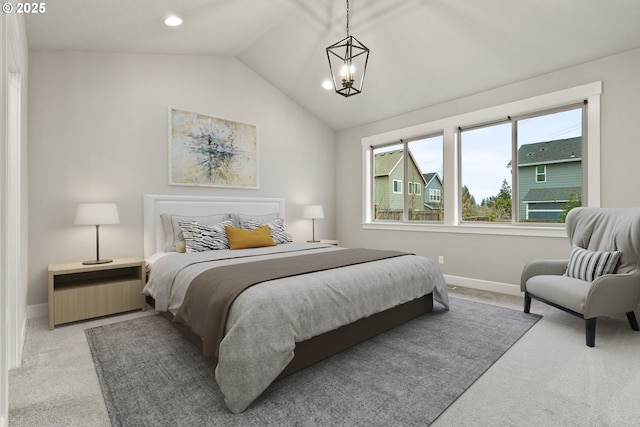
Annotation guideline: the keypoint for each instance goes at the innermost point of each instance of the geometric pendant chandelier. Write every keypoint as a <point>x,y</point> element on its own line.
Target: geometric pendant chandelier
<point>348,63</point>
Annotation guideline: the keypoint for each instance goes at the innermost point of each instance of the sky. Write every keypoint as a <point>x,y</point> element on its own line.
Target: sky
<point>486,152</point>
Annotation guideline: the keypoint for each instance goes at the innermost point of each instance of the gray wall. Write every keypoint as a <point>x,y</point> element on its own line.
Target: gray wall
<point>496,258</point>
<point>98,132</point>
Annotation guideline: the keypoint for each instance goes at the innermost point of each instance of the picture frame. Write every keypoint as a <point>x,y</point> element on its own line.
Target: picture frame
<point>211,151</point>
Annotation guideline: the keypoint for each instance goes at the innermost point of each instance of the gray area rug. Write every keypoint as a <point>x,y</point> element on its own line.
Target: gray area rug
<point>151,376</point>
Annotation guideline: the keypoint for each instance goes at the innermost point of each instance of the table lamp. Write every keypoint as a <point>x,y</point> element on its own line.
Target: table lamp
<point>314,212</point>
<point>97,214</point>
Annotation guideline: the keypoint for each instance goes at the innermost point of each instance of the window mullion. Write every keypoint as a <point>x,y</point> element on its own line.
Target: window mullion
<point>451,176</point>
<point>405,186</point>
<point>515,200</point>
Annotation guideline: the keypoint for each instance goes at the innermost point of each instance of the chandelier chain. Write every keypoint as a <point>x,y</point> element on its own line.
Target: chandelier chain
<point>347,18</point>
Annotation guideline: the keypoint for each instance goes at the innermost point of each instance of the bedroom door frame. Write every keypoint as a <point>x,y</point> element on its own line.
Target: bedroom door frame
<point>4,350</point>
<point>13,205</point>
<point>16,292</point>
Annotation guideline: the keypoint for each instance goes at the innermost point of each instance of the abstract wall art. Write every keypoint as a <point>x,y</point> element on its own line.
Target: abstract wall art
<point>211,151</point>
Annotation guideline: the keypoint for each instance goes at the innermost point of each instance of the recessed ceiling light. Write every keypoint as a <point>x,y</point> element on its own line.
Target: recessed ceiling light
<point>327,84</point>
<point>173,21</point>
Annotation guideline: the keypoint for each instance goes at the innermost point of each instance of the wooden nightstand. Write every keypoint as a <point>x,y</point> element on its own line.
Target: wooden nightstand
<point>326,242</point>
<point>330,242</point>
<point>78,292</point>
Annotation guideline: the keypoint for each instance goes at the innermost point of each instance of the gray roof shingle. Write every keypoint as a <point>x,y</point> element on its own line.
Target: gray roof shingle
<point>559,194</point>
<point>559,150</point>
<point>387,161</point>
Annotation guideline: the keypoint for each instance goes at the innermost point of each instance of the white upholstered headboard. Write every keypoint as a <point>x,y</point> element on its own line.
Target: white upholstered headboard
<point>154,205</point>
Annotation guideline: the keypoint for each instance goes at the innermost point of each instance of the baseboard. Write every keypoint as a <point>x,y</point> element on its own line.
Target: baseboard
<point>484,285</point>
<point>22,338</point>
<point>37,310</point>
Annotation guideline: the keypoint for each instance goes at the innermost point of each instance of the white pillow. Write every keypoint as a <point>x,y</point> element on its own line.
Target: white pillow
<point>260,219</point>
<point>588,265</point>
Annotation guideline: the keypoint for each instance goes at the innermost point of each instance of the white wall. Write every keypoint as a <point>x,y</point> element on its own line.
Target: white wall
<point>98,132</point>
<point>499,259</point>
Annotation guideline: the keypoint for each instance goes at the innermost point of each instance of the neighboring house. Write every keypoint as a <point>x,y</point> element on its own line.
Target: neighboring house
<point>433,191</point>
<point>389,188</point>
<point>549,175</point>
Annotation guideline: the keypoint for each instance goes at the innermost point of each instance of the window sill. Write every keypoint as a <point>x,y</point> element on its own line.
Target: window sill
<point>491,229</point>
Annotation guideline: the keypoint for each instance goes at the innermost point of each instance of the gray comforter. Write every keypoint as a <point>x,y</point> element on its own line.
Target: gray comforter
<point>266,320</point>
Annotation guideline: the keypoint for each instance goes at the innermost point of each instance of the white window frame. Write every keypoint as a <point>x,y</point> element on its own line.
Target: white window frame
<point>393,186</point>
<point>435,195</point>
<point>417,187</point>
<point>543,174</point>
<point>590,92</point>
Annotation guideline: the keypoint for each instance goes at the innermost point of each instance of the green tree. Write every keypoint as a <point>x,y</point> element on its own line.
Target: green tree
<point>469,205</point>
<point>501,207</point>
<point>498,208</point>
<point>575,200</point>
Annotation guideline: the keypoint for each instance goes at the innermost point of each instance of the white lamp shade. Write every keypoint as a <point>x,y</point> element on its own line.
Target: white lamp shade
<point>313,211</point>
<point>97,214</point>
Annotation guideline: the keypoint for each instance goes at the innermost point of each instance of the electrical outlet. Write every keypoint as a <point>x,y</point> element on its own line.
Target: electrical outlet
<point>440,259</point>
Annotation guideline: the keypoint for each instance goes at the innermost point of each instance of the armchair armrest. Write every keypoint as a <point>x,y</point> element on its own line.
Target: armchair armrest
<point>539,267</point>
<point>613,293</point>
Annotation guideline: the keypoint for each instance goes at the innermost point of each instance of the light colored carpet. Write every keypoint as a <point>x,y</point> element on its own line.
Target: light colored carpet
<point>551,378</point>
<point>56,385</point>
<point>548,378</point>
<point>152,376</point>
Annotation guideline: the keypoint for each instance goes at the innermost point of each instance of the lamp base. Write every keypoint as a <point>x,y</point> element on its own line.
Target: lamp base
<point>97,261</point>
<point>313,241</point>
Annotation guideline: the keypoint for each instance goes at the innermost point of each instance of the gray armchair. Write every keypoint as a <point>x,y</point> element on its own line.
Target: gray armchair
<point>603,280</point>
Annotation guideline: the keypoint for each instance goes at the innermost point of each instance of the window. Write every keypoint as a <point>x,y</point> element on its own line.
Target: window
<point>550,146</point>
<point>397,186</point>
<point>415,188</point>
<point>421,168</point>
<point>485,154</point>
<point>547,167</point>
<point>388,171</point>
<point>512,165</point>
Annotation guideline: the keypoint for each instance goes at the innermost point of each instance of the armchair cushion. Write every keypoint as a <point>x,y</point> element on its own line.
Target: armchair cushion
<point>561,290</point>
<point>588,265</point>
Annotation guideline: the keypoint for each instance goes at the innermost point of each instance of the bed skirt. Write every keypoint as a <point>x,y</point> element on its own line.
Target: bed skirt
<point>320,347</point>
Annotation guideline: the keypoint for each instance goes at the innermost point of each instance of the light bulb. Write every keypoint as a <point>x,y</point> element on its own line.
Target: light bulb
<point>348,72</point>
<point>173,21</point>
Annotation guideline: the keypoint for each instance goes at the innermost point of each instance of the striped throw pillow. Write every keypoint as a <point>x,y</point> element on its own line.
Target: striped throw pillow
<point>276,228</point>
<point>589,265</point>
<point>200,237</point>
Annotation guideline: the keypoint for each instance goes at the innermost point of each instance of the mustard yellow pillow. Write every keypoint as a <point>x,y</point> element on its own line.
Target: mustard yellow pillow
<point>244,239</point>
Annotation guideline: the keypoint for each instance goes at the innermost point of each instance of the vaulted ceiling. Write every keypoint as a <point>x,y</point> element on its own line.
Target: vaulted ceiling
<point>423,52</point>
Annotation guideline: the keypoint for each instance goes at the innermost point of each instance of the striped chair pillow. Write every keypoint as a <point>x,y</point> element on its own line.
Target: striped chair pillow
<point>589,265</point>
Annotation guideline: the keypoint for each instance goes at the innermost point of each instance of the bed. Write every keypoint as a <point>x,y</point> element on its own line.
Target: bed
<point>314,301</point>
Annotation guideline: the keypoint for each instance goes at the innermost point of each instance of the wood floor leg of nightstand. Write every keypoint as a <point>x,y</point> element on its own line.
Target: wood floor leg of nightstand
<point>51,309</point>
